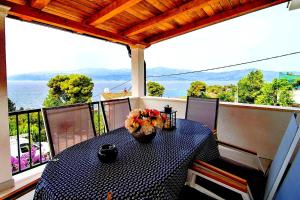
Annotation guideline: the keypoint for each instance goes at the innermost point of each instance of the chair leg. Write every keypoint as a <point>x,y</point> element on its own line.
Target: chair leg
<point>207,192</point>
<point>191,178</point>
<point>246,196</point>
<point>191,181</point>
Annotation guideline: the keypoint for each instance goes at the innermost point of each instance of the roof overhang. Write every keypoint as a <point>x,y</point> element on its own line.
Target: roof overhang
<point>133,22</point>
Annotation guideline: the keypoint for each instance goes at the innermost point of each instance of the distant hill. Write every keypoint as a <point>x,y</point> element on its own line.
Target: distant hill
<point>125,74</point>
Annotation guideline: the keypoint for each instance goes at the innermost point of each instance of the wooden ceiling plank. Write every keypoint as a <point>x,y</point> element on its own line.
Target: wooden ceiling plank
<point>252,6</point>
<point>209,10</point>
<point>78,6</point>
<point>66,9</point>
<point>158,5</point>
<point>138,15</point>
<point>39,4</point>
<point>143,26</point>
<point>110,11</point>
<point>58,12</point>
<point>216,6</point>
<point>234,3</point>
<point>56,21</point>
<point>225,4</point>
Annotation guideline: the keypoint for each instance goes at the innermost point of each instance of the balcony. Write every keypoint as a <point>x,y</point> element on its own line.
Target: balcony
<point>255,128</point>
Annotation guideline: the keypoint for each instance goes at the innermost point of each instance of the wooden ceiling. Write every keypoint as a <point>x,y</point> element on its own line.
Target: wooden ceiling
<point>133,22</point>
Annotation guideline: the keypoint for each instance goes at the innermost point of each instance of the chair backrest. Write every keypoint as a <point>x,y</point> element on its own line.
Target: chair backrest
<point>68,125</point>
<point>282,157</point>
<point>204,110</point>
<point>290,188</point>
<point>115,112</point>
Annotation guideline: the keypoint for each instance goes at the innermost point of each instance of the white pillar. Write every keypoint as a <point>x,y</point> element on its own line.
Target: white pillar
<point>137,71</point>
<point>294,4</point>
<point>6,180</point>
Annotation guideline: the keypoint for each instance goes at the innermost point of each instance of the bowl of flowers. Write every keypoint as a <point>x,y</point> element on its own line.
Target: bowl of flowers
<point>142,124</point>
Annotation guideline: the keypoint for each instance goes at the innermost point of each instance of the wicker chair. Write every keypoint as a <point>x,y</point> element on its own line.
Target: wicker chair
<point>115,112</point>
<point>68,125</point>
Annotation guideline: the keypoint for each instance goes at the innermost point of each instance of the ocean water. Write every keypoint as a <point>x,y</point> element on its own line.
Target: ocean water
<point>31,94</point>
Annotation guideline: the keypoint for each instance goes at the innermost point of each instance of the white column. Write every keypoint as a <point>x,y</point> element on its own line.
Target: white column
<point>294,4</point>
<point>137,71</point>
<point>6,180</point>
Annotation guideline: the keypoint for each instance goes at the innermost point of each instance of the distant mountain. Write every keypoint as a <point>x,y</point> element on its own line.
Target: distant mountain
<point>125,74</point>
<point>234,75</point>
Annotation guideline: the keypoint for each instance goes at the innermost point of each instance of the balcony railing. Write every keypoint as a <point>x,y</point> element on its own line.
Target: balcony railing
<point>28,141</point>
<point>257,128</point>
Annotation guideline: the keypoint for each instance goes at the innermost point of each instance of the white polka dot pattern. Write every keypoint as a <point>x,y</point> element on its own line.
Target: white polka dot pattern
<point>156,170</point>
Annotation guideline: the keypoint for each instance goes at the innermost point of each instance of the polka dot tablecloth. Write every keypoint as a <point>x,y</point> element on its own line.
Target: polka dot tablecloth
<point>156,170</point>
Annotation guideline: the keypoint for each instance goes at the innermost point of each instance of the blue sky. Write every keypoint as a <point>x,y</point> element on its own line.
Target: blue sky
<point>266,33</point>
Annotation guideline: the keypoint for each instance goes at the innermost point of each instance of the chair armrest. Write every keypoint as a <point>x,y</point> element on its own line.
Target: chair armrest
<point>236,147</point>
<point>265,164</point>
<point>219,171</point>
<point>240,155</point>
<point>221,176</point>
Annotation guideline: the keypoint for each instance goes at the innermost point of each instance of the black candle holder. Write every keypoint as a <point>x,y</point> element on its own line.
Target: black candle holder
<point>170,119</point>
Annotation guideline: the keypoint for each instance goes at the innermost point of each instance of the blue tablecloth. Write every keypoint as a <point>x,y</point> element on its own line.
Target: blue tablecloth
<point>156,170</point>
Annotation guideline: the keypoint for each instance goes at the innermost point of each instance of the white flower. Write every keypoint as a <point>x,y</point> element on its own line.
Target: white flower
<point>147,129</point>
<point>158,122</point>
<point>134,113</point>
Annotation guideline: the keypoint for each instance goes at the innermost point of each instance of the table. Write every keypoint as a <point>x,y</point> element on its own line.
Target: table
<point>156,170</point>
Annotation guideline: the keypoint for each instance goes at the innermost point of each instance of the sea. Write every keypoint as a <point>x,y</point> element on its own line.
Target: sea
<point>31,94</point>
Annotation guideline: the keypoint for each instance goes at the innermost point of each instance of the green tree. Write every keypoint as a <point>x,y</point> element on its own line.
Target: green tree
<point>23,126</point>
<point>213,91</point>
<point>228,93</point>
<point>296,83</point>
<point>197,88</point>
<point>155,89</point>
<point>267,95</point>
<point>11,106</point>
<point>52,101</point>
<point>224,93</point>
<point>69,89</point>
<point>285,98</point>
<point>279,92</point>
<point>249,87</point>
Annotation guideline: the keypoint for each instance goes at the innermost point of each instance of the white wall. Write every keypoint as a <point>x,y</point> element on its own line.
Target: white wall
<point>256,128</point>
<point>296,96</point>
<point>134,102</point>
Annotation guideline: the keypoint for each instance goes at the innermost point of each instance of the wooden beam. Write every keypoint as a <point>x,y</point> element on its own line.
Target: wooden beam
<point>241,10</point>
<point>145,25</point>
<point>39,4</point>
<point>110,11</point>
<point>37,15</point>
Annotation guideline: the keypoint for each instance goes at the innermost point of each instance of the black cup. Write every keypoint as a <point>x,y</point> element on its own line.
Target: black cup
<point>108,153</point>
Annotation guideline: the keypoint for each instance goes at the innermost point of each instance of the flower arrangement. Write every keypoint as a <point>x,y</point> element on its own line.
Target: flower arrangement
<point>144,121</point>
